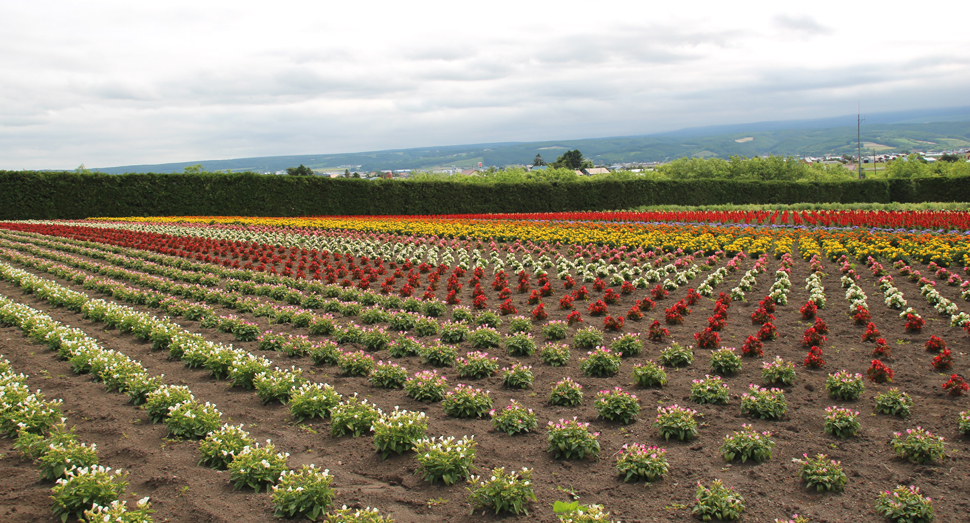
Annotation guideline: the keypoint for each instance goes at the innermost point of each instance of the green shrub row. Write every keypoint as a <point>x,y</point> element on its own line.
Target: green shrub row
<point>69,195</point>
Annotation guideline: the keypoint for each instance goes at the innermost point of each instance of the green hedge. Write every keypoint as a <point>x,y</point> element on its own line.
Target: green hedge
<point>37,195</point>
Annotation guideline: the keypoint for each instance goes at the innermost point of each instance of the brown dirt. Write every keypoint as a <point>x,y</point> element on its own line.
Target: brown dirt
<point>183,491</point>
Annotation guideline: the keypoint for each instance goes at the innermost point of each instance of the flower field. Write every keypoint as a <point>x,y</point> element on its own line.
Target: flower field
<point>578,366</point>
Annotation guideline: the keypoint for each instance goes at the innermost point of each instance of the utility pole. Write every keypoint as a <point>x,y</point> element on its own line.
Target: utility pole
<point>858,129</point>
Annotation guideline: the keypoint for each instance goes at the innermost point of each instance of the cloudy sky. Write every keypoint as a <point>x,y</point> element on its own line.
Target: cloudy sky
<point>109,83</point>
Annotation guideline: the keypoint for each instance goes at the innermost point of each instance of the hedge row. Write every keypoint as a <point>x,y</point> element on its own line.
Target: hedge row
<point>68,195</point>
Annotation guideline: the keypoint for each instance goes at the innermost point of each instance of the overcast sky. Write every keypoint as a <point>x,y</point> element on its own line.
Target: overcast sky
<point>132,82</point>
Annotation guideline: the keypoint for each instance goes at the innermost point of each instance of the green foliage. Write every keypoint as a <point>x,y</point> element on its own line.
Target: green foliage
<point>905,505</point>
<point>503,492</point>
<point>257,467</point>
<point>747,444</point>
<point>919,446</point>
<point>42,195</point>
<point>399,431</point>
<point>649,374</point>
<point>446,459</point>
<point>894,403</point>
<point>353,416</point>
<point>84,487</point>
<point>513,419</point>
<point>305,492</point>
<point>220,446</point>
<point>554,354</point>
<point>636,462</point>
<point>717,502</point>
<point>570,439</point>
<point>821,473</point>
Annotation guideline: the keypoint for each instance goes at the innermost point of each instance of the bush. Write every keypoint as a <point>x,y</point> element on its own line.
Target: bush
<point>503,492</point>
<point>445,458</point>
<point>718,502</point>
<point>257,467</point>
<point>305,493</point>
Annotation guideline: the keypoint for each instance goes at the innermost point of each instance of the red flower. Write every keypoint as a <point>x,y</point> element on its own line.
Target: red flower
<point>656,332</point>
<point>878,372</point>
<point>955,386</point>
<point>480,302</point>
<point>645,304</point>
<point>507,308</point>
<point>752,347</point>
<point>808,310</point>
<point>566,302</point>
<point>573,317</point>
<point>935,344</point>
<point>768,332</point>
<point>861,316</point>
<point>814,358</point>
<point>539,313</point>
<point>871,334</point>
<point>611,297</point>
<point>708,339</point>
<point>634,313</point>
<point>659,293</point>
<point>613,324</point>
<point>627,288</point>
<point>943,360</point>
<point>598,308</point>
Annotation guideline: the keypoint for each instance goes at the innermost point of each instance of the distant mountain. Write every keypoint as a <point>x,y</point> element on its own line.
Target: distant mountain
<point>935,129</point>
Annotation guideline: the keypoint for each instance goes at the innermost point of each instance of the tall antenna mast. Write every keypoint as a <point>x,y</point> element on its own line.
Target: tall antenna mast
<point>858,129</point>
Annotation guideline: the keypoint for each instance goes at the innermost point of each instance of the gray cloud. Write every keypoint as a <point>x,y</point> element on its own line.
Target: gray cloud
<point>804,25</point>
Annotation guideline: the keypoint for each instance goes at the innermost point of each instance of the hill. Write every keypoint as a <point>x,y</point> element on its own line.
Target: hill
<point>937,129</point>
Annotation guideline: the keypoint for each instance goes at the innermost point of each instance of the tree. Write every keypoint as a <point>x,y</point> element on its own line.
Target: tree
<point>346,173</point>
<point>572,160</point>
<point>81,169</point>
<point>195,169</point>
<point>538,161</point>
<point>299,171</point>
<point>947,157</point>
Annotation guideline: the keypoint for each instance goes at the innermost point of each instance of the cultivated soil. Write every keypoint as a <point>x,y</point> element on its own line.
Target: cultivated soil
<point>183,491</point>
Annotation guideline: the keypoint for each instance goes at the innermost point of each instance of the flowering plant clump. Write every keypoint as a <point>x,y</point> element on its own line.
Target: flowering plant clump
<point>747,444</point>
<point>278,384</point>
<point>611,323</point>
<point>752,348</point>
<point>894,403</point>
<point>485,337</point>
<point>306,492</point>
<point>919,446</point>
<point>808,310</point>
<point>118,511</point>
<point>520,345</point>
<point>841,422</point>
<point>649,374</point>
<point>439,355</point>
<point>404,346</point>
<point>597,308</point>
<point>426,327</point>
<point>388,375</point>
<point>677,422</point>
<point>656,332</point>
<point>60,457</point>
<point>778,372</point>
<point>914,323</point>
<point>955,386</point>
<point>587,338</point>
<point>363,515</point>
<point>676,356</point>
<point>878,372</point>
<point>519,325</point>
<point>426,386</point>
<point>453,333</point>
<point>725,361</point>
<point>814,358</point>
<point>573,318</point>
<point>570,439</point>
<point>905,505</point>
<point>567,393</point>
<point>861,315</point>
<point>353,416</point>
<point>312,400</point>
<point>673,316</point>
<point>445,459</point>
<point>82,488</point>
<point>764,403</point>
<point>399,431</point>
<point>708,339</point>
<point>555,330</point>
<point>476,365</point>
<point>517,376</point>
<point>821,473</point>
<point>503,492</point>
<point>513,419</point>
<point>627,345</point>
<point>466,402</point>
<point>637,462</point>
<point>964,424</point>
<point>555,354</point>
<point>710,390</point>
<point>600,362</point>
<point>934,344</point>
<point>943,360</point>
<point>192,420</point>
<point>220,446</point>
<point>717,502</point>
<point>844,385</point>
<point>357,363</point>
<point>617,405</point>
<point>257,467</point>
<point>767,332</point>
